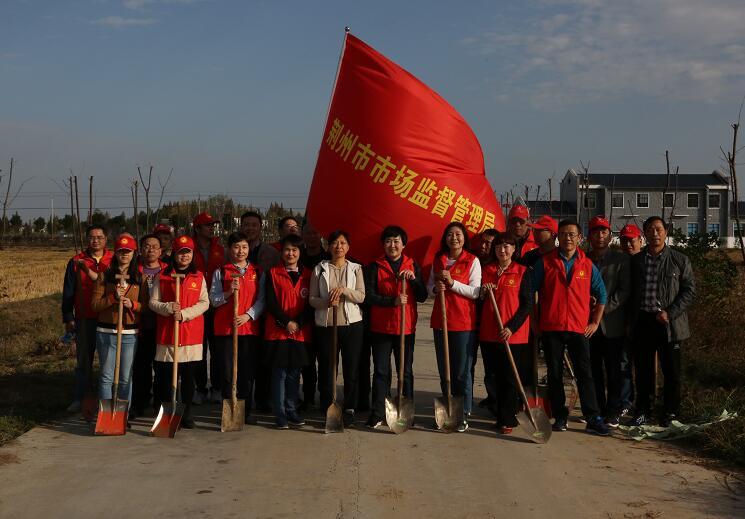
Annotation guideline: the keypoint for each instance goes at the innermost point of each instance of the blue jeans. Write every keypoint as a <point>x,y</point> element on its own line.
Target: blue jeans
<point>285,391</point>
<point>460,345</point>
<point>106,347</point>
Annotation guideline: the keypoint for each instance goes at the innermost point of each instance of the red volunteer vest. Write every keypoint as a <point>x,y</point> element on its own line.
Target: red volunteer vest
<point>461,311</point>
<point>387,319</point>
<point>292,299</point>
<point>565,305</point>
<point>247,295</point>
<point>528,246</point>
<point>84,285</point>
<point>190,332</point>
<point>208,266</point>
<point>507,295</point>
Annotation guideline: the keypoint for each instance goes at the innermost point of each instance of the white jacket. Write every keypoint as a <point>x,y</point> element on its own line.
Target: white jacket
<point>352,311</point>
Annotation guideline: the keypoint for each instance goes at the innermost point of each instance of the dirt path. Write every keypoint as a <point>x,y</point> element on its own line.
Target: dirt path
<point>62,471</point>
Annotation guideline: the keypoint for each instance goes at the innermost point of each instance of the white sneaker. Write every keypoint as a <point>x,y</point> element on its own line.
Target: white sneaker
<point>215,396</point>
<point>75,407</point>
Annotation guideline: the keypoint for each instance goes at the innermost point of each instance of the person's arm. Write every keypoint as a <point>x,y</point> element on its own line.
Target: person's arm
<point>68,294</point>
<point>201,306</point>
<point>371,288</point>
<point>473,288</point>
<point>314,297</point>
<point>622,293</point>
<point>417,285</point>
<point>356,294</point>
<point>156,305</point>
<point>525,298</point>
<point>258,307</point>
<point>431,283</point>
<point>686,291</point>
<point>100,300</point>
<point>597,289</point>
<point>217,296</point>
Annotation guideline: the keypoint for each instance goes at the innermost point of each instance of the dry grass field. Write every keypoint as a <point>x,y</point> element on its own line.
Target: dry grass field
<point>31,272</point>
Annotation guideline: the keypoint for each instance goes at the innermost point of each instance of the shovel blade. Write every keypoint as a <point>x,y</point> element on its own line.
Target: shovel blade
<point>541,400</point>
<point>334,422</point>
<point>112,418</point>
<point>541,432</point>
<point>448,418</point>
<point>399,415</point>
<point>168,420</point>
<point>233,416</point>
<point>88,407</point>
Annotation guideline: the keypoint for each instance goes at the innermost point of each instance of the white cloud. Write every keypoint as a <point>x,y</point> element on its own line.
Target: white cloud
<point>118,21</point>
<point>570,51</point>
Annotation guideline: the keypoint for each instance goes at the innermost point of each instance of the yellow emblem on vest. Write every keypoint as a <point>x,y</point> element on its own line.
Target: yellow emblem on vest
<point>510,281</point>
<point>581,273</point>
<point>457,270</point>
<point>193,284</point>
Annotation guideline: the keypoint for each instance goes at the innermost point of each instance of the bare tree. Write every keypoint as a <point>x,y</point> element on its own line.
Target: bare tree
<point>68,186</point>
<point>730,157</point>
<point>134,189</point>
<point>8,201</point>
<point>90,200</point>
<point>163,186</point>
<point>146,188</point>
<point>77,210</point>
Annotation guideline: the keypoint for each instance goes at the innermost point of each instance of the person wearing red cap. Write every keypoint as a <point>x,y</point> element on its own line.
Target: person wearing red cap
<point>545,230</point>
<point>107,293</point>
<point>517,226</point>
<point>209,256</point>
<point>189,310</point>
<point>631,239</point>
<point>607,344</point>
<point>164,233</point>
<point>80,275</point>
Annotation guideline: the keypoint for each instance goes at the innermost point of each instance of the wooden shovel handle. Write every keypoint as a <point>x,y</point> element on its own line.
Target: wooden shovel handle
<point>446,345</point>
<point>402,347</point>
<point>117,364</point>
<point>234,388</point>
<point>334,346</point>
<point>176,329</point>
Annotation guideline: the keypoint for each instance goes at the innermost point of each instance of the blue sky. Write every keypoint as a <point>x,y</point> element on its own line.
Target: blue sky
<point>233,94</point>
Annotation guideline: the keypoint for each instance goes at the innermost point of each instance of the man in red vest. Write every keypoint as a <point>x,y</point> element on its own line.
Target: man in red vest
<point>80,275</point>
<point>383,279</point>
<point>518,220</point>
<point>286,226</point>
<point>209,256</point>
<point>566,281</point>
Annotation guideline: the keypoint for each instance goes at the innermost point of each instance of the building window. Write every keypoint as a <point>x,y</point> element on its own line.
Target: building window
<point>668,200</point>
<point>734,229</point>
<point>617,200</point>
<point>591,200</point>
<point>642,200</point>
<point>692,200</point>
<point>714,200</point>
<point>713,227</point>
<point>692,229</point>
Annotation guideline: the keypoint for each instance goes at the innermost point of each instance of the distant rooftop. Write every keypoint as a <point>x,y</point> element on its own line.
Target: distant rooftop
<point>657,180</point>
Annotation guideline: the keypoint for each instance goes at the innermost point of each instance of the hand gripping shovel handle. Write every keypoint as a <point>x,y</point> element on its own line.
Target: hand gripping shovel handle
<point>446,347</point>
<point>512,360</point>
<point>234,388</point>
<point>402,351</point>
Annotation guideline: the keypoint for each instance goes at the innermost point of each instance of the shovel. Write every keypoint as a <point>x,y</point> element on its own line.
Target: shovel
<point>334,422</point>
<point>169,417</point>
<point>532,419</point>
<point>448,410</point>
<point>112,414</point>
<point>399,411</point>
<point>234,410</point>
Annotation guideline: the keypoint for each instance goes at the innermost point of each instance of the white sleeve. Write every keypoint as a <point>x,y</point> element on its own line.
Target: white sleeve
<point>472,289</point>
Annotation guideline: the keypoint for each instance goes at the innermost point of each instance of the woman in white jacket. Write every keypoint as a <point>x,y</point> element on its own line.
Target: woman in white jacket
<point>339,283</point>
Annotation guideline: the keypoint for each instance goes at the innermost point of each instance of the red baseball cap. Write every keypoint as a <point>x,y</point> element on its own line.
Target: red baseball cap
<point>203,219</point>
<point>162,228</point>
<point>599,222</point>
<point>631,231</point>
<point>519,211</point>
<point>547,223</point>
<point>184,242</point>
<point>125,242</point>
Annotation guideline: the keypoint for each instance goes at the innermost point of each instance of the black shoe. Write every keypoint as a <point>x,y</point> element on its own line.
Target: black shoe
<point>295,420</point>
<point>595,425</point>
<point>668,420</point>
<point>348,418</point>
<point>560,424</point>
<point>250,420</point>
<point>373,421</point>
<point>187,423</point>
<point>612,421</point>
<point>639,420</point>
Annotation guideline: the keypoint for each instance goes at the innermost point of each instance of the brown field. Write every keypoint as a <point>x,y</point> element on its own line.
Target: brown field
<point>28,273</point>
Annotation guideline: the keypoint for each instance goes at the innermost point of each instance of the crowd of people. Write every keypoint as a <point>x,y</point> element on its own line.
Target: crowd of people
<point>613,310</point>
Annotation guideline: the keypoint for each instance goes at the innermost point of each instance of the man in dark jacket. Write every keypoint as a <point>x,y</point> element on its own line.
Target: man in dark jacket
<point>662,289</point>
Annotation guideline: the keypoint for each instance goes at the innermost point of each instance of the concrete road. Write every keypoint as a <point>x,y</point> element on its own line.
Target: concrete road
<point>63,471</point>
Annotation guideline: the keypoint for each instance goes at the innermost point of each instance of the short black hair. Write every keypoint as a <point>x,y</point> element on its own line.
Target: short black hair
<point>500,238</point>
<point>147,237</point>
<point>444,249</point>
<point>490,232</point>
<point>291,239</point>
<point>284,220</point>
<point>649,221</point>
<point>391,231</point>
<point>236,237</point>
<point>95,226</point>
<point>249,214</point>
<point>336,234</point>
<point>570,221</point>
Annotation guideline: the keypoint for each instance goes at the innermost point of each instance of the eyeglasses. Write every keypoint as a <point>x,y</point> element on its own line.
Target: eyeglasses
<point>570,235</point>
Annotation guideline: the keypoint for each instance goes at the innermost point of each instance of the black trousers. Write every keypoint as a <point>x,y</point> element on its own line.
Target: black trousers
<point>349,345</point>
<point>310,371</point>
<point>216,361</point>
<point>383,345</point>
<point>365,387</point>
<point>650,337</point>
<point>579,353</point>
<point>142,371</point>
<point>606,357</point>
<point>501,381</point>
<point>249,350</point>
<point>163,372</point>
<point>488,361</point>
<point>263,377</point>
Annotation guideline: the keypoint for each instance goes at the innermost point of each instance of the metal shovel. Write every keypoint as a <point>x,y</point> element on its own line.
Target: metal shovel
<point>532,419</point>
<point>448,409</point>
<point>334,422</point>
<point>233,410</point>
<point>169,417</point>
<point>399,411</point>
<point>112,413</point>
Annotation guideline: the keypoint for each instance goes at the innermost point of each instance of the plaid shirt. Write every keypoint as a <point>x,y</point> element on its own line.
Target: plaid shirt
<point>649,299</point>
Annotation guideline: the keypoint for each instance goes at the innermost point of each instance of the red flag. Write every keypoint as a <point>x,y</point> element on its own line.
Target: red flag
<point>396,153</point>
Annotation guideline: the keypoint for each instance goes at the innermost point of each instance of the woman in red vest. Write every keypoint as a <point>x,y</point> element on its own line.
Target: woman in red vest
<point>193,302</point>
<point>456,272</point>
<point>288,328</point>
<point>383,296</point>
<point>248,280</point>
<point>514,296</point>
